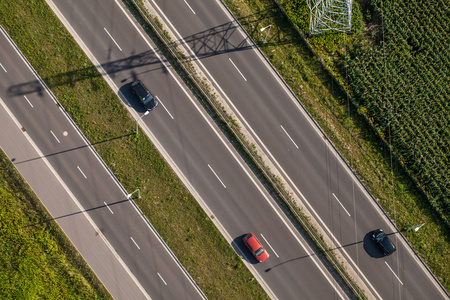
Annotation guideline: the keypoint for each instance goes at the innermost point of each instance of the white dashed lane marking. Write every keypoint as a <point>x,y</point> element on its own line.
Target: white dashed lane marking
<point>341,204</point>
<point>55,137</point>
<point>28,101</point>
<point>135,243</point>
<point>81,172</point>
<point>289,136</point>
<point>3,68</point>
<point>113,39</point>
<point>216,176</point>
<point>393,272</point>
<point>237,69</point>
<point>189,7</point>
<point>109,208</point>
<point>162,278</point>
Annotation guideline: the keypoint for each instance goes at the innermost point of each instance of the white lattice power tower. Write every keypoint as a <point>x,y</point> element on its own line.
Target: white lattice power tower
<point>328,15</point>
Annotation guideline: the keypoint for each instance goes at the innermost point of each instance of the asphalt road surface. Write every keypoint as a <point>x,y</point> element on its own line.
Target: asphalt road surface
<point>203,159</point>
<point>206,162</point>
<point>83,197</point>
<point>297,148</point>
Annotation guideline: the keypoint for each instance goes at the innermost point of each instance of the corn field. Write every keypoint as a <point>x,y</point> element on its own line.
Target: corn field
<point>402,84</point>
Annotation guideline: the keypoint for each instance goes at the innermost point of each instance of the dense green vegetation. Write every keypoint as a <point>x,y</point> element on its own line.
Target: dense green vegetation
<point>350,129</point>
<point>399,77</point>
<point>36,259</point>
<point>134,160</point>
<point>402,85</point>
<point>329,42</point>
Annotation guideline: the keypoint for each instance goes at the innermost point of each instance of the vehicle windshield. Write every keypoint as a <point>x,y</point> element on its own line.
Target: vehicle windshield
<point>259,251</point>
<point>148,99</point>
<point>380,237</point>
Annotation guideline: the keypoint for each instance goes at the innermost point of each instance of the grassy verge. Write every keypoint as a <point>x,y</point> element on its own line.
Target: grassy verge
<point>133,159</point>
<point>36,259</point>
<point>355,139</point>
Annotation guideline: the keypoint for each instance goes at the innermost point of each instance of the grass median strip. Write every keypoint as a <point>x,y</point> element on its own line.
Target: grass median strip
<point>133,159</point>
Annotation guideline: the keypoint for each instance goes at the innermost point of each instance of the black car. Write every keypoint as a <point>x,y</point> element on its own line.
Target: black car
<point>383,241</point>
<point>144,95</point>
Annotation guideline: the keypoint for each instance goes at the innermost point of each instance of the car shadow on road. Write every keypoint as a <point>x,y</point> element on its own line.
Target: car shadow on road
<point>288,261</point>
<point>371,248</point>
<point>129,99</point>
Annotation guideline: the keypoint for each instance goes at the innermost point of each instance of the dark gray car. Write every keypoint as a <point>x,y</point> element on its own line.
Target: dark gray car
<point>144,95</point>
<point>383,241</point>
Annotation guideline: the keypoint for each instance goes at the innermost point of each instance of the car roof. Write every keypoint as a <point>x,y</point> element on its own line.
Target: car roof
<point>252,241</point>
<point>383,240</point>
<point>379,234</point>
<point>140,88</point>
<point>388,245</point>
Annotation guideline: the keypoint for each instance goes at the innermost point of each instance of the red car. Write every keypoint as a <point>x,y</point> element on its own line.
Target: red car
<point>255,247</point>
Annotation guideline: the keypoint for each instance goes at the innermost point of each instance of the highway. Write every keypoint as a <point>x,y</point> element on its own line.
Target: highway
<point>189,140</point>
<point>83,197</point>
<point>186,136</point>
<point>296,147</point>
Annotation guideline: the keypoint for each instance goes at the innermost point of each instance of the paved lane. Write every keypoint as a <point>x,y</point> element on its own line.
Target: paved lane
<point>91,207</point>
<point>199,154</point>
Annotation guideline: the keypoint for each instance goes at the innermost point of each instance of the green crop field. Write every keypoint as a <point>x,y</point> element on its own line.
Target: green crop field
<point>402,85</point>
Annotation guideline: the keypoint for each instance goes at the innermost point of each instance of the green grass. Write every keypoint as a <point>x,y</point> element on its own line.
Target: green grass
<point>36,259</point>
<point>350,132</point>
<point>133,159</point>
